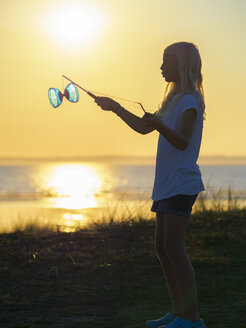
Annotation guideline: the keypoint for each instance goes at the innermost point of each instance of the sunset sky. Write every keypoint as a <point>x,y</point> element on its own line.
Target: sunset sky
<point>114,47</point>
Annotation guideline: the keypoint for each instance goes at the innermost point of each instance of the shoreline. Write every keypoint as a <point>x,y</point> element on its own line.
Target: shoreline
<point>202,160</point>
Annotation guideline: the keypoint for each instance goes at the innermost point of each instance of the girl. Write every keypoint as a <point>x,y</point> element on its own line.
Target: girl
<point>179,122</point>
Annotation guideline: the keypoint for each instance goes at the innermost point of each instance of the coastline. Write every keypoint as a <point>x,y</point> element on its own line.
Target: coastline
<point>202,160</point>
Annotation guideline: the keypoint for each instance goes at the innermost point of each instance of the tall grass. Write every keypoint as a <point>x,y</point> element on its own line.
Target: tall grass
<point>220,200</point>
<point>210,200</point>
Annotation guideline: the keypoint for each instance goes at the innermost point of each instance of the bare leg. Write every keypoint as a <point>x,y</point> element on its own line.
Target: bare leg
<point>167,268</point>
<point>175,226</point>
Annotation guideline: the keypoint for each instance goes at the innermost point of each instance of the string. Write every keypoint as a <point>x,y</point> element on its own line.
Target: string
<point>103,94</point>
<point>134,102</point>
<point>63,84</point>
<point>106,95</point>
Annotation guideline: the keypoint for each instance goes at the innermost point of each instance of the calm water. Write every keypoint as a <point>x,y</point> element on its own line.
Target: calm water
<point>71,193</point>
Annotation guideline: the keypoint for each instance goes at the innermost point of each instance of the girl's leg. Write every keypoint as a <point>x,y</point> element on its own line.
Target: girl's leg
<point>167,268</point>
<point>175,226</point>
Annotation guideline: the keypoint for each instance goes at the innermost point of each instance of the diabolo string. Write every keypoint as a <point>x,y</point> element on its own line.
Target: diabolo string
<point>103,94</point>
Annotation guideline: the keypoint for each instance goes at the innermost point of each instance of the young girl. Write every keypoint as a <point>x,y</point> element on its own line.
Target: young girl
<point>179,122</point>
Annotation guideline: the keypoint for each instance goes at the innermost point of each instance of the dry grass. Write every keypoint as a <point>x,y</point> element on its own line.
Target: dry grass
<point>108,275</point>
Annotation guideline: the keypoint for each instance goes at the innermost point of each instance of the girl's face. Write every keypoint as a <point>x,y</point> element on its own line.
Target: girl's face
<point>169,68</point>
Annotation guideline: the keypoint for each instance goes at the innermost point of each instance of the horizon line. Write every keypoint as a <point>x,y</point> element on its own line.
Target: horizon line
<point>115,156</point>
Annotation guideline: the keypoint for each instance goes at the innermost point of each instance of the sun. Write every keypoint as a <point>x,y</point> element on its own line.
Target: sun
<point>72,24</point>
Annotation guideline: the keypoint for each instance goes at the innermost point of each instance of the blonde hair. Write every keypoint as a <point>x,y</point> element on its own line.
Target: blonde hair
<point>189,67</point>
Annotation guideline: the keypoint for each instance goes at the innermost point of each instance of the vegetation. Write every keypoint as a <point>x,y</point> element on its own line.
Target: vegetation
<point>108,275</point>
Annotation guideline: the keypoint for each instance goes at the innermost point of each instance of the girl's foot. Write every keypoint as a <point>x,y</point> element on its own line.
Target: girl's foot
<point>167,319</point>
<point>182,323</point>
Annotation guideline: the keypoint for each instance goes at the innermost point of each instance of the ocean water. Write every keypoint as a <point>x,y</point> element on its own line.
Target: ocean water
<point>70,194</point>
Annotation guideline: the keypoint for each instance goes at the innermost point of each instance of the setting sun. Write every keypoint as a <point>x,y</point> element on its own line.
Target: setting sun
<point>72,24</point>
<point>103,183</point>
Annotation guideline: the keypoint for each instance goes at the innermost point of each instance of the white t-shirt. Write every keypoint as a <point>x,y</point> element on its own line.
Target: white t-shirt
<point>176,171</point>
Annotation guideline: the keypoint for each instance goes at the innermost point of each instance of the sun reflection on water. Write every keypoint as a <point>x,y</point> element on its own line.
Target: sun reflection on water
<point>75,186</point>
<point>68,196</point>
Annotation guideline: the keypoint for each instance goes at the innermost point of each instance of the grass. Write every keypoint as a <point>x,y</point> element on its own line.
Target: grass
<point>108,275</point>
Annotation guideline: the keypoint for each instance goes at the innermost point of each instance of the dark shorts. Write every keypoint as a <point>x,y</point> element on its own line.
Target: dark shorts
<point>179,204</point>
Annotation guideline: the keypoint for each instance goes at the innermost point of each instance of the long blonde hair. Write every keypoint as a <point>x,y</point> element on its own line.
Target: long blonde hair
<point>189,67</point>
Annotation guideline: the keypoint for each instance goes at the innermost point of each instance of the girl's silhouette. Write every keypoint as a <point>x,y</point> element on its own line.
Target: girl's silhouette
<point>179,122</point>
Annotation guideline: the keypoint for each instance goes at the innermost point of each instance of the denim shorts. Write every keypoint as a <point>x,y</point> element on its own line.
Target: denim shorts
<point>179,204</point>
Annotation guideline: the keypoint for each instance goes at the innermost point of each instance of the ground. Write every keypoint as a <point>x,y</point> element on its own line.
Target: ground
<point>109,276</point>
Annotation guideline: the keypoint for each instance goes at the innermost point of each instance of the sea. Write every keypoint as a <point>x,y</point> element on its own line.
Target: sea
<point>69,194</point>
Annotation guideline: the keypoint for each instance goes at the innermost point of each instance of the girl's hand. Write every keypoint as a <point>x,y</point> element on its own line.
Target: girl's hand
<point>151,120</point>
<point>107,103</point>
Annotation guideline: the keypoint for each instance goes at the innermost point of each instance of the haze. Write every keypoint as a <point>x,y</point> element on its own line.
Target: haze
<point>121,57</point>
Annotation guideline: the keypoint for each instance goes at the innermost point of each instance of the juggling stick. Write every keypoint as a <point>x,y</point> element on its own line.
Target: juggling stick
<point>93,96</point>
<point>88,92</point>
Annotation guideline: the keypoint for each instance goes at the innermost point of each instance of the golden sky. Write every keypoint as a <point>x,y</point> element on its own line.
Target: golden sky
<point>114,47</point>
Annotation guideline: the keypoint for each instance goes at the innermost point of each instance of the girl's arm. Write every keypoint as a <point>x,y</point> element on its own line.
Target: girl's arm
<point>133,121</point>
<point>180,139</point>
